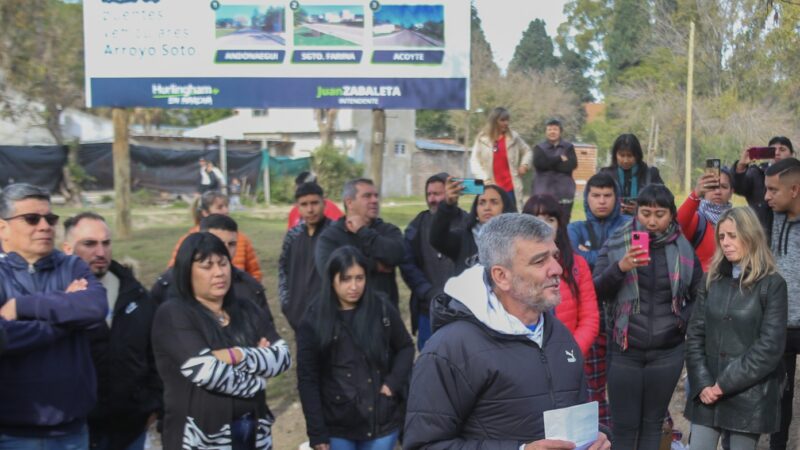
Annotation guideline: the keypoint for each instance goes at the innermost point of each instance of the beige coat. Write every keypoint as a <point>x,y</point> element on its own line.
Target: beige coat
<point>518,154</point>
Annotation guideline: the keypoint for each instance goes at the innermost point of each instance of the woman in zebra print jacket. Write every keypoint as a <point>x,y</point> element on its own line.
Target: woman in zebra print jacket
<point>214,353</point>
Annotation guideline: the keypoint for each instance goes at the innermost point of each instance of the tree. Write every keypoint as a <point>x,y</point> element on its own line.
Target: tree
<point>535,50</point>
<point>433,123</point>
<point>326,122</point>
<point>626,42</point>
<point>41,57</point>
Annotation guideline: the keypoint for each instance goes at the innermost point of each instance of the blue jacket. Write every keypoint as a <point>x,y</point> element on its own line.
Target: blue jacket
<point>47,379</point>
<point>579,233</point>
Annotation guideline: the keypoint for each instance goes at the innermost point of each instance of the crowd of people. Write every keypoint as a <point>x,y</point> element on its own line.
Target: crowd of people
<point>517,310</point>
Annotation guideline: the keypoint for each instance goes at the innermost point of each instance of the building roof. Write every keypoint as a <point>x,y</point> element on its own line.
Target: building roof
<point>425,144</point>
<point>274,120</point>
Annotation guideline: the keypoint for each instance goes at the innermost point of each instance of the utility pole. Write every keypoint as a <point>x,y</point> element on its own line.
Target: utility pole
<point>223,160</point>
<point>378,139</point>
<point>122,174</point>
<point>266,154</point>
<point>687,151</point>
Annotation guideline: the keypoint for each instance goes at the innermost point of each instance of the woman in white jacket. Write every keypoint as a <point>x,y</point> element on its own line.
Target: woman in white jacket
<point>500,156</point>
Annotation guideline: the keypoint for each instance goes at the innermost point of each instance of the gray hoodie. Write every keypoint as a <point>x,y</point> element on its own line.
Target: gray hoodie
<point>786,248</point>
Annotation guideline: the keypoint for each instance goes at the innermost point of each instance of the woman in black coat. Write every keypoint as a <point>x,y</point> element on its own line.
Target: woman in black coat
<point>214,352</point>
<point>648,292</point>
<point>354,361</point>
<point>736,338</point>
<point>456,237</point>
<point>630,171</point>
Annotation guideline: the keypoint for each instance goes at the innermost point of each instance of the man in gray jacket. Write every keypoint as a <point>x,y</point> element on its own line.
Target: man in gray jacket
<point>783,196</point>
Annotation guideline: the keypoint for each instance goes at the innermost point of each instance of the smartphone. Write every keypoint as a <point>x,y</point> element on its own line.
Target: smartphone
<point>761,152</point>
<point>641,238</point>
<point>713,168</point>
<point>472,186</point>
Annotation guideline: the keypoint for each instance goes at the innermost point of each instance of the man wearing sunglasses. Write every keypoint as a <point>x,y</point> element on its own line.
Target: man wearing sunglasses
<point>48,302</point>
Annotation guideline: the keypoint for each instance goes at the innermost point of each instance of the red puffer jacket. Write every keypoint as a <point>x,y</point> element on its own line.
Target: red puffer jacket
<point>580,315</point>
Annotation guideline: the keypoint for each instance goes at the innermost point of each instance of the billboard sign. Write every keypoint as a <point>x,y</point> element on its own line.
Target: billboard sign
<point>390,54</point>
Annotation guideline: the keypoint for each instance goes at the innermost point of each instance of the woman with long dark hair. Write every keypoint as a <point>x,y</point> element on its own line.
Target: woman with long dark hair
<point>578,308</point>
<point>630,171</point>
<point>354,361</point>
<point>736,339</point>
<point>214,352</point>
<point>649,281</point>
<point>456,237</point>
<point>500,156</point>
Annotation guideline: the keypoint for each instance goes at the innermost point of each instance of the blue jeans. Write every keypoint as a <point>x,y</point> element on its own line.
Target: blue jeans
<point>77,441</point>
<point>382,443</point>
<point>423,330</point>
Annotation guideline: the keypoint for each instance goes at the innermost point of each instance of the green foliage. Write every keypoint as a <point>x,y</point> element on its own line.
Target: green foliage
<point>282,189</point>
<point>333,169</point>
<point>144,197</point>
<point>433,123</point>
<point>626,41</point>
<point>535,49</point>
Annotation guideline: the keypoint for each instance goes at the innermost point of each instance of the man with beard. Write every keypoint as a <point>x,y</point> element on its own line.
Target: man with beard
<point>128,386</point>
<point>499,358</point>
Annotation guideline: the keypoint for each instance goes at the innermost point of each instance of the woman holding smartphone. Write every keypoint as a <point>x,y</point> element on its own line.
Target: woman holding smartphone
<point>500,156</point>
<point>649,288</point>
<point>630,171</point>
<point>736,338</point>
<point>455,237</point>
<point>354,361</point>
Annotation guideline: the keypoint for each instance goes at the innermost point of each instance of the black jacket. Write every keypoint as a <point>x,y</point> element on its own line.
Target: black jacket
<point>736,338</point>
<point>750,185</point>
<point>2,338</point>
<point>128,386</point>
<point>380,242</point>
<point>553,175</point>
<point>655,326</point>
<point>339,388</point>
<point>242,283</point>
<point>451,234</point>
<point>650,176</point>
<point>298,280</point>
<point>415,269</point>
<point>476,388</point>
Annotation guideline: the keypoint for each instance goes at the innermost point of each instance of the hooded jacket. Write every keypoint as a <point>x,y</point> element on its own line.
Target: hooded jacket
<point>481,382</point>
<point>47,380</point>
<point>592,233</point>
<point>786,248</point>
<point>482,160</point>
<point>579,314</point>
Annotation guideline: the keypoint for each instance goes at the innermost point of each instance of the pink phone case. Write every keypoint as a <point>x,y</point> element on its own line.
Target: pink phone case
<point>641,238</point>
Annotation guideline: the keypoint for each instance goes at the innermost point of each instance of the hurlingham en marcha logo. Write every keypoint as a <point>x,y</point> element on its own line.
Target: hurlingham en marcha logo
<point>185,94</point>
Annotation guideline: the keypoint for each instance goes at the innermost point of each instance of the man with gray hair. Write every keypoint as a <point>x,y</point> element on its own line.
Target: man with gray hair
<point>498,357</point>
<point>381,242</point>
<point>48,302</point>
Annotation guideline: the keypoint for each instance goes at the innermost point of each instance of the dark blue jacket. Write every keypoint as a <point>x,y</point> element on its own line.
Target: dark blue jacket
<point>47,379</point>
<point>579,232</point>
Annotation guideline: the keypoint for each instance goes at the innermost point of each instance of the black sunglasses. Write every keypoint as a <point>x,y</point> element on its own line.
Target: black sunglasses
<point>33,219</point>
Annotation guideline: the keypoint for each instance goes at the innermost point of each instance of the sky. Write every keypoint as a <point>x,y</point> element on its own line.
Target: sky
<point>408,15</point>
<point>504,21</point>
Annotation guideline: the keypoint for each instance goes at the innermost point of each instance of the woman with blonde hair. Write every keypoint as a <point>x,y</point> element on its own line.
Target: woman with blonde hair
<point>500,156</point>
<point>736,339</point>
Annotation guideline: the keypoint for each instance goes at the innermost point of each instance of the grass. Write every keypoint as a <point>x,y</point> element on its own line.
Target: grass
<point>225,31</point>
<point>306,36</point>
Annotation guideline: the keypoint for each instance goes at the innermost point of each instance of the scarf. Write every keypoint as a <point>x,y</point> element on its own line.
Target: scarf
<point>712,211</point>
<point>680,265</point>
<point>634,191</point>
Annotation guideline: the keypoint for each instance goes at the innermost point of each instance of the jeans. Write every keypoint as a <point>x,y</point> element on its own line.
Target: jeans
<point>512,197</point>
<point>777,440</point>
<point>706,438</point>
<point>382,443</point>
<point>640,386</point>
<point>423,330</point>
<point>76,441</point>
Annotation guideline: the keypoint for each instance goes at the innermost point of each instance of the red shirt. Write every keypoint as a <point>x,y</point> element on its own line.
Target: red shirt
<point>502,174</point>
<point>331,212</point>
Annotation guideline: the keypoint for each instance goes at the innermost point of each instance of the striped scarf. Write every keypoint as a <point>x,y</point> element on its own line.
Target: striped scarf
<point>680,264</point>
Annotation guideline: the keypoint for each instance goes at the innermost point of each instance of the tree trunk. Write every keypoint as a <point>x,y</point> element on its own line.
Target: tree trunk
<point>122,174</point>
<point>326,119</point>
<point>68,188</point>
<point>378,139</point>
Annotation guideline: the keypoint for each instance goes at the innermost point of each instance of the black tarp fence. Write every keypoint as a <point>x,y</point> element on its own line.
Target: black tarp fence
<point>159,169</point>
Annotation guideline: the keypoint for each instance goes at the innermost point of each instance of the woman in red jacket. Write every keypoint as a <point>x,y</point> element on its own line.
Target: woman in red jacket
<point>578,308</point>
<point>699,213</point>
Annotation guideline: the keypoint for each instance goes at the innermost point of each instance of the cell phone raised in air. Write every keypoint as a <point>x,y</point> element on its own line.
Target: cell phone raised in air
<point>761,152</point>
<point>641,238</point>
<point>713,166</point>
<point>472,186</point>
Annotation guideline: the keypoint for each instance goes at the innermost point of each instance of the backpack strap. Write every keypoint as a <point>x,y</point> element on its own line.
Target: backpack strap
<point>700,231</point>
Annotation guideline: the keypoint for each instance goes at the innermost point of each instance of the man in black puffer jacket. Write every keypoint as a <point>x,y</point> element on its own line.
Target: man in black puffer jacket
<point>498,358</point>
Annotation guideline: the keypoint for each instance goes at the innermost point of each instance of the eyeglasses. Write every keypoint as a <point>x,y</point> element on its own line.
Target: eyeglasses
<point>33,219</point>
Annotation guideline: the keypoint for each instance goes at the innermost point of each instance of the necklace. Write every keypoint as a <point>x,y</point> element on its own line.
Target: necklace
<point>221,318</point>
